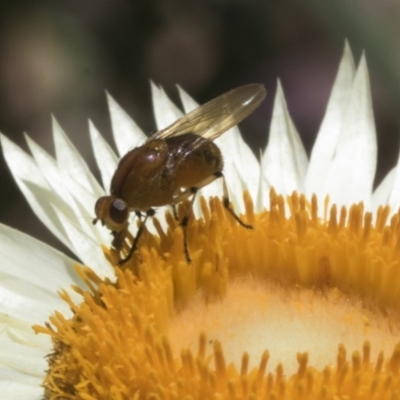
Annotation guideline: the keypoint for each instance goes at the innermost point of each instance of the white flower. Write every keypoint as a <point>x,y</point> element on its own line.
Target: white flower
<point>62,193</point>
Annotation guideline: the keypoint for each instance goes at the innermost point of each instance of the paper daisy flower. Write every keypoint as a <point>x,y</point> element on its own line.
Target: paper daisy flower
<point>306,305</point>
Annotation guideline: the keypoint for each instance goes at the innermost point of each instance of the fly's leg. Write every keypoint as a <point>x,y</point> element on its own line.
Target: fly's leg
<point>119,237</point>
<point>226,201</point>
<point>192,191</point>
<point>174,212</point>
<point>186,193</point>
<point>149,213</point>
<point>184,224</point>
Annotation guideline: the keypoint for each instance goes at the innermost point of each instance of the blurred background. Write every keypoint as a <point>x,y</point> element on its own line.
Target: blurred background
<point>59,57</point>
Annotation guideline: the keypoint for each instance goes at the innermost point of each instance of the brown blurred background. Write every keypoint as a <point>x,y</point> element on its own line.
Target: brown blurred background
<point>60,56</point>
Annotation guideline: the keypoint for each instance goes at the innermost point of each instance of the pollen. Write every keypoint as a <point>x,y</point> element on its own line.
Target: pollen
<point>298,308</point>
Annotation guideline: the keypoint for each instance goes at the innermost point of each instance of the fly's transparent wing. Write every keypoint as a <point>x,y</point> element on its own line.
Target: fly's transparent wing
<point>218,115</point>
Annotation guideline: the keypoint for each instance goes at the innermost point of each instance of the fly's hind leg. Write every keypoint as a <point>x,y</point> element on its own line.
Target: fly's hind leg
<point>149,213</point>
<point>226,201</point>
<point>192,191</point>
<point>174,212</point>
<point>184,224</point>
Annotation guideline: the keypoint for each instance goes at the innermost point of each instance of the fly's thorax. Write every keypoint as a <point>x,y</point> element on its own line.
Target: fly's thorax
<point>142,179</point>
<point>139,166</point>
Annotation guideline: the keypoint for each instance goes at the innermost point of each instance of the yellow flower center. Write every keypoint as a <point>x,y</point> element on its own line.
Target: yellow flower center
<point>263,313</point>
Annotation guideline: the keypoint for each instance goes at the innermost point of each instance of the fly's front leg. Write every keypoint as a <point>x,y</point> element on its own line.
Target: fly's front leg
<point>226,201</point>
<point>149,213</point>
<point>119,238</point>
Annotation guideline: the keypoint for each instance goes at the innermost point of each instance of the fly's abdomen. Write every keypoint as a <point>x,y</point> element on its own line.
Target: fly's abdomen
<point>199,164</point>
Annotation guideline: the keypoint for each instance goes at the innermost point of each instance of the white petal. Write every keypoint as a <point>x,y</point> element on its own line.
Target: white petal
<point>248,166</point>
<point>106,159</point>
<point>87,249</point>
<point>264,188</point>
<point>127,135</point>
<point>165,111</point>
<point>352,171</point>
<point>394,197</point>
<point>22,363</point>
<point>9,375</point>
<point>85,222</point>
<point>14,389</point>
<point>70,160</point>
<point>285,160</point>
<point>73,199</point>
<point>34,187</point>
<point>325,144</point>
<point>20,332</point>
<point>26,301</point>
<point>27,258</point>
<point>189,104</point>
<point>228,143</point>
<point>56,179</point>
<point>27,360</point>
<point>383,192</point>
<point>31,271</point>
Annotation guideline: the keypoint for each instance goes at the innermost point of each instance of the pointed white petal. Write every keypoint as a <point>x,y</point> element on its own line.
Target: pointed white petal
<point>87,249</point>
<point>229,145</point>
<point>70,160</point>
<point>352,171</point>
<point>55,179</point>
<point>382,193</point>
<point>22,165</point>
<point>85,222</point>
<point>106,159</point>
<point>189,104</point>
<point>394,196</point>
<point>248,166</point>
<point>285,160</point>
<point>82,203</point>
<point>165,111</point>
<point>127,135</point>
<point>214,189</point>
<point>69,196</point>
<point>34,187</point>
<point>325,144</point>
<point>263,189</point>
<point>48,168</point>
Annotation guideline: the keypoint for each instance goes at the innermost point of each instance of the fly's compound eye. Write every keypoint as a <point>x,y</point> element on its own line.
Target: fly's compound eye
<point>119,211</point>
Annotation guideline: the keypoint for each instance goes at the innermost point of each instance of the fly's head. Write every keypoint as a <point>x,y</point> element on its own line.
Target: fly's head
<point>112,212</point>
